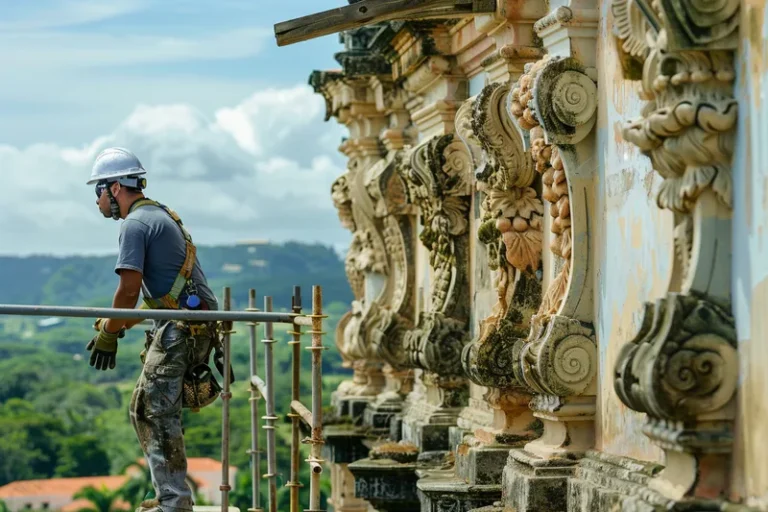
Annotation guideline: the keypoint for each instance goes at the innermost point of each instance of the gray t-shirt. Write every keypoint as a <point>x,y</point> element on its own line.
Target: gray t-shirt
<point>152,243</point>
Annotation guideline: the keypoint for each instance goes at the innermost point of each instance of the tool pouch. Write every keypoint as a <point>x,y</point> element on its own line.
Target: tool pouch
<point>199,388</point>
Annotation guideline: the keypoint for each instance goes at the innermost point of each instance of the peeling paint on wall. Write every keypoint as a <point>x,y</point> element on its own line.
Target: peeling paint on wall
<point>630,224</point>
<point>750,257</point>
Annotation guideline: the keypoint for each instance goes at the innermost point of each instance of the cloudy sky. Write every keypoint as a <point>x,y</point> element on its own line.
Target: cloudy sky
<point>222,119</point>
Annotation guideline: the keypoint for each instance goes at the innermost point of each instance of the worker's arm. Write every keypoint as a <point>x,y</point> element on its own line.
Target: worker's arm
<point>126,297</point>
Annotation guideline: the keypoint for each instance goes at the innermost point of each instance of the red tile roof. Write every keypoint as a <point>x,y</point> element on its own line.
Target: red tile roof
<point>69,486</point>
<point>198,464</point>
<point>59,486</point>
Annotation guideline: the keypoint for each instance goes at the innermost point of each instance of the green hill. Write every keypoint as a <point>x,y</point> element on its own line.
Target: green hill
<point>90,281</point>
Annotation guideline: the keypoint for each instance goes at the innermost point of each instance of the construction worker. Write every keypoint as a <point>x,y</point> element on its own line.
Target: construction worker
<point>156,256</point>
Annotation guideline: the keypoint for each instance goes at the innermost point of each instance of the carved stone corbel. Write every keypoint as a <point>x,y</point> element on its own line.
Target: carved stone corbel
<point>351,99</point>
<point>510,228</point>
<point>554,105</point>
<point>438,175</point>
<point>556,101</point>
<point>681,369</point>
<point>438,183</point>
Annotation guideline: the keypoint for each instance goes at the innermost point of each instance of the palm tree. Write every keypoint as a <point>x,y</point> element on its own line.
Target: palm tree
<point>102,500</point>
<point>139,487</point>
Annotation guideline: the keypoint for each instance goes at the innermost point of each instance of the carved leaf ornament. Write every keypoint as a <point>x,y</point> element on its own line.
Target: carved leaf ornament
<point>512,209</point>
<point>438,176</point>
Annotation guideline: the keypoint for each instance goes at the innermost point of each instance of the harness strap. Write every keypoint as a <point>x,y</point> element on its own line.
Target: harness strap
<point>171,299</point>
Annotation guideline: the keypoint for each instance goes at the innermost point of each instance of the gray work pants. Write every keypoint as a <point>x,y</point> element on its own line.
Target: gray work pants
<point>156,411</point>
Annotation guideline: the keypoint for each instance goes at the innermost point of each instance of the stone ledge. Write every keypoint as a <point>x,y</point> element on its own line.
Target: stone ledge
<point>386,484</point>
<point>344,444</point>
<point>441,490</point>
<point>610,482</point>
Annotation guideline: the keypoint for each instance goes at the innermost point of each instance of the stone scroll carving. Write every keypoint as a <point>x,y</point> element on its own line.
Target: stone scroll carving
<point>681,369</point>
<point>511,229</point>
<point>554,105</point>
<point>372,202</point>
<point>438,176</point>
<point>390,320</point>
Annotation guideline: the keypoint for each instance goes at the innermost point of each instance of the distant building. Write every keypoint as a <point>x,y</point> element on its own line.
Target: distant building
<point>205,472</point>
<point>56,494</point>
<point>255,241</point>
<point>49,323</point>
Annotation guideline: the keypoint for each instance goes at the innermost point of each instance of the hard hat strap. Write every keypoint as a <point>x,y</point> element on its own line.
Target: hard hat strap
<point>113,206</point>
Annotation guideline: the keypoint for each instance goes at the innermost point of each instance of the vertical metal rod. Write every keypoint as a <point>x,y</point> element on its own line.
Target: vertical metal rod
<point>270,416</point>
<point>295,395</point>
<point>315,460</point>
<point>255,397</point>
<point>225,396</point>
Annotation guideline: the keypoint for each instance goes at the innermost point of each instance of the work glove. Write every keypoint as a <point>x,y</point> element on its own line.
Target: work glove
<point>103,348</point>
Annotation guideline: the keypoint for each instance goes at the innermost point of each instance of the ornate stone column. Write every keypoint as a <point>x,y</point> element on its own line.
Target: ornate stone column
<point>438,177</point>
<point>554,106</point>
<point>373,203</point>
<point>390,320</point>
<point>366,262</point>
<point>682,367</point>
<point>510,230</point>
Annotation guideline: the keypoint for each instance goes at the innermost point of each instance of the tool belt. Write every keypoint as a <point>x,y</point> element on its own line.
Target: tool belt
<point>200,387</point>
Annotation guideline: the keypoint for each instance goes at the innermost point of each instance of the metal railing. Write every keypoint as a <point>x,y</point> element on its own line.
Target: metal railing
<point>258,388</point>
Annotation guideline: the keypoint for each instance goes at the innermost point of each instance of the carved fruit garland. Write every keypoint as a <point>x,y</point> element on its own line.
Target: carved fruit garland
<point>554,183</point>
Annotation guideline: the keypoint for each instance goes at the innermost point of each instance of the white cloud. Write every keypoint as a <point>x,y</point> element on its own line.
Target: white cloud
<point>53,50</point>
<point>259,169</point>
<point>46,14</point>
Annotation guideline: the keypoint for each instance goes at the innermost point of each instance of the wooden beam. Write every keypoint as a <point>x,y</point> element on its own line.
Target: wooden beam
<point>367,12</point>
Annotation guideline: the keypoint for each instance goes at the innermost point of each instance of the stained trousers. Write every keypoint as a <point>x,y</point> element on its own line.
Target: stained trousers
<point>156,407</point>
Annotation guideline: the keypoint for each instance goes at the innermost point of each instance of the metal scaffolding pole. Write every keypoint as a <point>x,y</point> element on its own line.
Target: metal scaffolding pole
<point>270,417</point>
<point>295,343</point>
<point>225,397</point>
<point>254,452</point>
<point>316,440</point>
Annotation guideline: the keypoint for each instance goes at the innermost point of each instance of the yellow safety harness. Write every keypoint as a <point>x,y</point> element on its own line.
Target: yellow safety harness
<point>171,299</point>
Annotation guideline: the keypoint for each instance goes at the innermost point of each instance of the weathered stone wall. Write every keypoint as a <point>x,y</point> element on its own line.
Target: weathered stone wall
<point>627,118</point>
<point>750,255</point>
<point>635,249</point>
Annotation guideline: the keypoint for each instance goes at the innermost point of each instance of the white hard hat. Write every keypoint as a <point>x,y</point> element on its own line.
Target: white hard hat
<point>115,163</point>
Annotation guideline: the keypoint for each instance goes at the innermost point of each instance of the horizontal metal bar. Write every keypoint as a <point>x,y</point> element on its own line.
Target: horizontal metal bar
<point>302,411</point>
<point>260,385</point>
<point>150,314</point>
